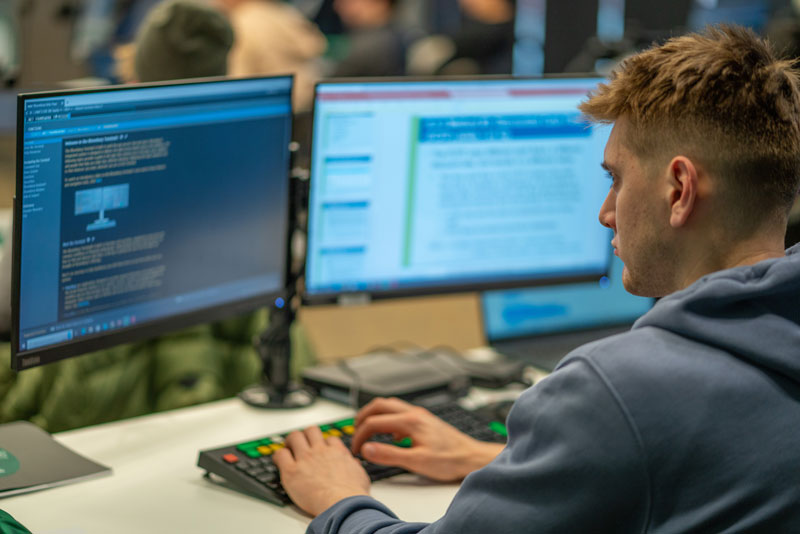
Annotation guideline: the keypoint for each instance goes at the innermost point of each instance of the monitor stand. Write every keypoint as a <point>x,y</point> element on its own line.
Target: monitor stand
<point>277,390</point>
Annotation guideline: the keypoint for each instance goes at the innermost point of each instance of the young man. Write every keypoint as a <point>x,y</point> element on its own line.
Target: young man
<point>687,423</point>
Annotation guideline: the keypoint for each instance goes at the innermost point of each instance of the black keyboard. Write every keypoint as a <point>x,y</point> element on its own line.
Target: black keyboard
<point>247,466</point>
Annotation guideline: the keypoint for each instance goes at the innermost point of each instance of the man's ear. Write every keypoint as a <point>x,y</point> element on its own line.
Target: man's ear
<point>683,187</point>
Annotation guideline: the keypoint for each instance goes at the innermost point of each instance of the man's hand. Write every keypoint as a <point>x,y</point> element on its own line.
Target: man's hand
<point>317,472</point>
<point>439,451</point>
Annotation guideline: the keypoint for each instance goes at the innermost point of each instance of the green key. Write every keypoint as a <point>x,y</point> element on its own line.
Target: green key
<point>405,442</point>
<point>345,422</point>
<point>499,428</point>
<point>249,445</point>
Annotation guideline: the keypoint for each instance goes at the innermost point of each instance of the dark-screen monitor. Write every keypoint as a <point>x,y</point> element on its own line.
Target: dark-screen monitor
<point>420,187</point>
<point>548,36</point>
<point>661,20</point>
<point>142,209</point>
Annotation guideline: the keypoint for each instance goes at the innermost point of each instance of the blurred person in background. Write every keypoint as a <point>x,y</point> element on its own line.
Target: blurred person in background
<point>481,43</point>
<point>9,42</point>
<point>376,42</point>
<point>104,31</point>
<point>783,30</point>
<point>272,37</point>
<point>486,35</point>
<point>182,39</point>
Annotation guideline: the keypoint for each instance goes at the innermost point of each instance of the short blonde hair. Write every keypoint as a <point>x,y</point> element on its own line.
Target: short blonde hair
<point>722,97</point>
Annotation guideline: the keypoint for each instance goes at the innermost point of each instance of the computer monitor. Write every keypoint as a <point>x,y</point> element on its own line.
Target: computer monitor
<point>539,326</point>
<point>429,186</point>
<point>659,21</point>
<point>143,209</point>
<point>567,308</point>
<point>569,26</point>
<point>549,36</point>
<point>754,14</point>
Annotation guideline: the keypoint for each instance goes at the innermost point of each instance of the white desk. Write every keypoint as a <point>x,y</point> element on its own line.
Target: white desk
<point>157,487</point>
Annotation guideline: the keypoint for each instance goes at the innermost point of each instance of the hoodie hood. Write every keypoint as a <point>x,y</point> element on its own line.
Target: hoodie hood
<point>752,312</point>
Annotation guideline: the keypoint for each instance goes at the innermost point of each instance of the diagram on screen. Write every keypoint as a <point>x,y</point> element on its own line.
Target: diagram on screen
<point>101,200</point>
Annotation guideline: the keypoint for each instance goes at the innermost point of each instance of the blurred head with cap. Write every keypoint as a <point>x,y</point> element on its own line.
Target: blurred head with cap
<point>182,39</point>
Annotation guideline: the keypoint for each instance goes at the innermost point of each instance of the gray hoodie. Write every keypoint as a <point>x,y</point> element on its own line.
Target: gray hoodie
<point>689,423</point>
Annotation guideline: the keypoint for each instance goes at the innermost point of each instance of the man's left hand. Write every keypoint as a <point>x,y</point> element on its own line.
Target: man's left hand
<point>318,472</point>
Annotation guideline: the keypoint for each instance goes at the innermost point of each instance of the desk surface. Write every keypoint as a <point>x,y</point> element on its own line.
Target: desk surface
<point>157,487</point>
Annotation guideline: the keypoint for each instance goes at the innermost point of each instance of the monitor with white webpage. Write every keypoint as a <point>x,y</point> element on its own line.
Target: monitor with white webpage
<point>445,185</point>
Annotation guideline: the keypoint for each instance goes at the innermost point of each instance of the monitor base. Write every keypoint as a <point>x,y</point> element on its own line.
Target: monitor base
<point>268,397</point>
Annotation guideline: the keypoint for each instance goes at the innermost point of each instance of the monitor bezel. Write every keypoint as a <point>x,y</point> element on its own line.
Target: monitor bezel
<point>368,295</point>
<point>21,360</point>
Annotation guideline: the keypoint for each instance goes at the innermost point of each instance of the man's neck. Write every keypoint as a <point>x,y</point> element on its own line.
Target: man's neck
<point>755,256</point>
<point>711,258</point>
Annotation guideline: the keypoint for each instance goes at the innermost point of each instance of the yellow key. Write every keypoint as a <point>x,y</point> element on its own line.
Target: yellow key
<point>277,446</point>
<point>348,429</point>
<point>264,449</point>
<point>334,432</point>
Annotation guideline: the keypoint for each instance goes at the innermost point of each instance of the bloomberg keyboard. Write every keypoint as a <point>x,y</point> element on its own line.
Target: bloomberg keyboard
<point>248,466</point>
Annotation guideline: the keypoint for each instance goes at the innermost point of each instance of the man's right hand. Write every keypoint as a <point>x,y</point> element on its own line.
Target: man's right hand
<point>438,451</point>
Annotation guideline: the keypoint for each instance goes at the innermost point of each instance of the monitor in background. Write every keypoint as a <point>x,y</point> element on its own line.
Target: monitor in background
<point>526,323</point>
<point>421,187</point>
<point>530,30</point>
<point>657,21</point>
<point>143,209</point>
<point>569,26</point>
<point>751,13</point>
<point>549,36</point>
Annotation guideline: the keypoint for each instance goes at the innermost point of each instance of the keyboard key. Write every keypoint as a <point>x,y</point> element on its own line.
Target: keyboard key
<point>405,442</point>
<point>499,428</point>
<point>244,447</point>
<point>267,477</point>
<point>255,471</point>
